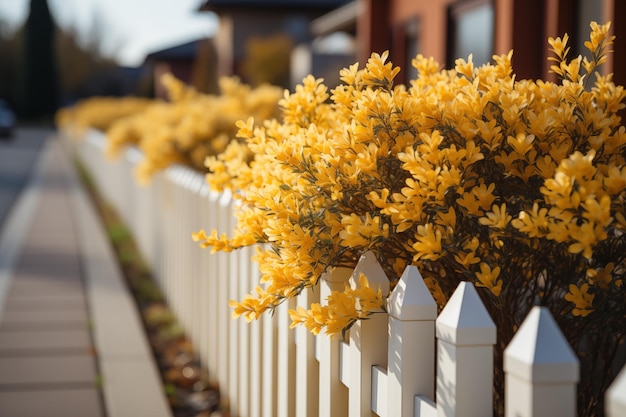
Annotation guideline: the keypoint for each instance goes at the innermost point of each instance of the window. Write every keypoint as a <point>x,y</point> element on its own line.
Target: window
<point>411,48</point>
<point>587,11</point>
<point>470,31</point>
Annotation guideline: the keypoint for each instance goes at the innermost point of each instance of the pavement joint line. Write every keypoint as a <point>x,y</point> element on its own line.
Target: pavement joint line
<point>53,386</point>
<point>17,221</point>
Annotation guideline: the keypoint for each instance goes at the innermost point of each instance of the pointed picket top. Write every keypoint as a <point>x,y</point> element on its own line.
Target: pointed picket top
<point>465,320</point>
<point>615,397</point>
<point>539,352</point>
<point>411,299</point>
<point>369,265</point>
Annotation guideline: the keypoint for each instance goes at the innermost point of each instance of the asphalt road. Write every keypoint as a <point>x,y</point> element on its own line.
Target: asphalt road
<point>17,158</point>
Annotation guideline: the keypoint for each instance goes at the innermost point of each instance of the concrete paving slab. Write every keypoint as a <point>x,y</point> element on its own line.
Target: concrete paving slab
<point>55,268</point>
<point>44,303</point>
<point>41,370</point>
<point>37,326</point>
<point>43,317</point>
<point>29,341</point>
<point>53,277</point>
<point>51,291</point>
<point>84,402</point>
<point>38,275</point>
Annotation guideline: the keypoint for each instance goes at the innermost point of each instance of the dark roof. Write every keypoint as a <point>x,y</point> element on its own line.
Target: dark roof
<point>182,51</point>
<point>225,5</point>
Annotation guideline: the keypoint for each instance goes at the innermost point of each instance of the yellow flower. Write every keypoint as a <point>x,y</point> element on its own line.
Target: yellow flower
<point>471,203</point>
<point>428,243</point>
<point>586,237</point>
<point>534,223</point>
<point>601,277</point>
<point>615,180</point>
<point>368,299</point>
<point>581,299</point>
<point>521,143</point>
<point>484,195</point>
<point>362,231</point>
<point>488,278</point>
<point>467,255</point>
<point>497,218</point>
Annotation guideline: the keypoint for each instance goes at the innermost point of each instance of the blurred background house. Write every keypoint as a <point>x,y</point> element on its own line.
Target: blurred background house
<point>325,36</point>
<point>255,38</point>
<point>192,62</point>
<point>449,29</point>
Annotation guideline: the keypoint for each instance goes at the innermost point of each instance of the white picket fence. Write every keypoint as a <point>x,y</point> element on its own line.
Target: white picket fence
<point>391,366</point>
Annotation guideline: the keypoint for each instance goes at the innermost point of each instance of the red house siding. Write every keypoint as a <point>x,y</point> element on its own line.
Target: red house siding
<point>521,25</point>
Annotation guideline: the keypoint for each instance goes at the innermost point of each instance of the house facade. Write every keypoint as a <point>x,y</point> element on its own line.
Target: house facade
<point>251,31</point>
<point>447,29</point>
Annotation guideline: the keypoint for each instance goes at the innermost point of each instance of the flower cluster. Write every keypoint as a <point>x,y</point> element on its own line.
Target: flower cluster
<point>191,125</point>
<point>467,173</point>
<point>518,186</point>
<point>98,112</point>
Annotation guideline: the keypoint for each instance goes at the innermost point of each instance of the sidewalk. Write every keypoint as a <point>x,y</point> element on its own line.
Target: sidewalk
<point>71,342</point>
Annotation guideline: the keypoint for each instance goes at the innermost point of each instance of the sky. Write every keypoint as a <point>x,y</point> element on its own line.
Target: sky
<point>128,29</point>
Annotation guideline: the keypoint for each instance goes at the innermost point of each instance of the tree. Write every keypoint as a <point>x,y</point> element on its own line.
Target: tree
<point>9,53</point>
<point>39,89</point>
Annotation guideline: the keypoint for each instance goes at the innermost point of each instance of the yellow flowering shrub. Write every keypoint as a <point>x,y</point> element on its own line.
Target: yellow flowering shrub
<point>98,112</point>
<point>190,126</point>
<point>518,186</point>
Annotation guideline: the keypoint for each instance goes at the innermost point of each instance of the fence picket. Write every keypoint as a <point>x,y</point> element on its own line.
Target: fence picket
<point>245,347</point>
<point>366,347</point>
<point>412,314</point>
<point>465,338</point>
<point>541,369</point>
<point>268,390</point>
<point>256,350</point>
<point>286,361</point>
<point>333,400</point>
<point>307,369</point>
<point>615,397</point>
<point>208,287</point>
<point>224,319</point>
<point>233,331</point>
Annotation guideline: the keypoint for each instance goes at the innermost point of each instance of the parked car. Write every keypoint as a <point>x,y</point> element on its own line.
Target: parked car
<point>7,120</point>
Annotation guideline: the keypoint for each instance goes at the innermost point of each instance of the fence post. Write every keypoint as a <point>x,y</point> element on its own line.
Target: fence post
<point>333,401</point>
<point>541,369</point>
<point>366,347</point>
<point>615,398</point>
<point>411,362</point>
<point>466,335</point>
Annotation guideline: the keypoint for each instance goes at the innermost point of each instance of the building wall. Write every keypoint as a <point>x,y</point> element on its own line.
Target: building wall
<point>521,25</point>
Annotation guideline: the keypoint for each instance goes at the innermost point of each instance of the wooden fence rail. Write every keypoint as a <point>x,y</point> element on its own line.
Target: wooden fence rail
<point>393,365</point>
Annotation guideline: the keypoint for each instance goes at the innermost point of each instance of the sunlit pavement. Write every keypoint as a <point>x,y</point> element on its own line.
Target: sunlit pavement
<point>70,341</point>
